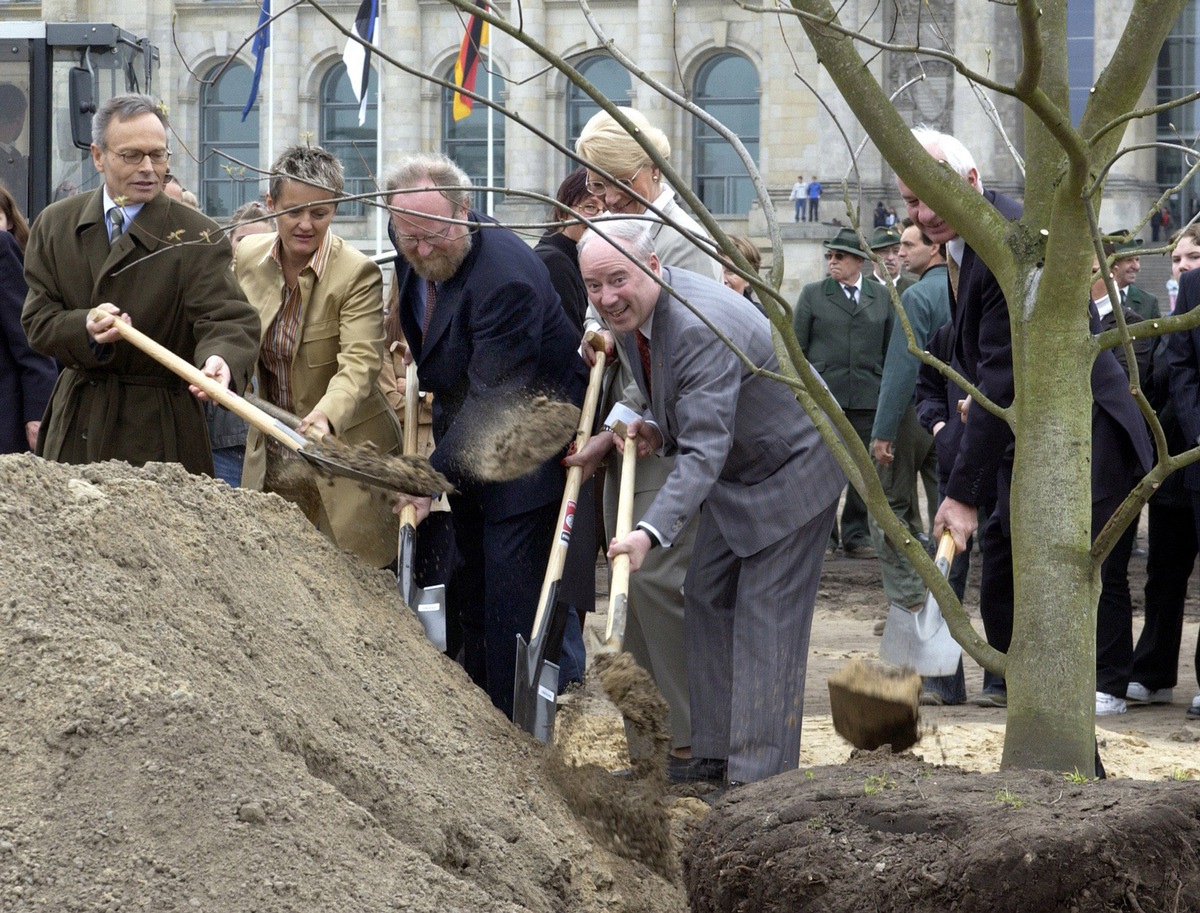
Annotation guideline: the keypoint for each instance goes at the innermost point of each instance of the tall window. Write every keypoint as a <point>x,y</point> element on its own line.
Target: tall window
<point>727,88</point>
<point>1178,70</point>
<point>610,78</point>
<point>466,141</point>
<point>228,145</point>
<point>1081,49</point>
<point>341,135</point>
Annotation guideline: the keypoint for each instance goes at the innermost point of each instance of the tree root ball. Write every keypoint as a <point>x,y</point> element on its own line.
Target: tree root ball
<point>895,835</point>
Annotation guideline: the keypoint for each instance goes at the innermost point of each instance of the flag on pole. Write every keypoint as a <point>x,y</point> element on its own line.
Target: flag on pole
<point>258,47</point>
<point>357,57</point>
<point>475,37</point>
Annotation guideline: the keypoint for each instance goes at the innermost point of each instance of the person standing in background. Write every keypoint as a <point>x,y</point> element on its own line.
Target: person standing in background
<point>26,378</point>
<point>799,197</point>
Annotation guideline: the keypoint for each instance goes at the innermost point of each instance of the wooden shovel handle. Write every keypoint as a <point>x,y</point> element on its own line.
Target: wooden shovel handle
<point>562,536</point>
<point>946,547</point>
<point>619,586</point>
<point>412,407</point>
<point>198,378</point>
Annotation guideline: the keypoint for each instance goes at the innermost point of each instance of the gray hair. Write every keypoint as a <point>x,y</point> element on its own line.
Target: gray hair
<point>432,170</point>
<point>310,165</point>
<point>953,152</point>
<point>124,107</point>
<point>631,236</point>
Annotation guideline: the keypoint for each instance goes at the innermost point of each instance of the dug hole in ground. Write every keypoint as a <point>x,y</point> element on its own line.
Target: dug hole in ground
<point>206,706</point>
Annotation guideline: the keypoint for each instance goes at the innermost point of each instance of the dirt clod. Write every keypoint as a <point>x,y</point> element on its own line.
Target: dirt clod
<point>519,435</point>
<point>874,706</point>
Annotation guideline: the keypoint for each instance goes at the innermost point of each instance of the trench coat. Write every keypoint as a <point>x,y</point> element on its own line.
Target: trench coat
<point>170,272</point>
<point>335,369</point>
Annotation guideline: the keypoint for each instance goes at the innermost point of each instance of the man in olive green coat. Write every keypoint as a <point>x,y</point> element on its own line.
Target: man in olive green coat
<point>1125,271</point>
<point>129,250</point>
<point>843,324</point>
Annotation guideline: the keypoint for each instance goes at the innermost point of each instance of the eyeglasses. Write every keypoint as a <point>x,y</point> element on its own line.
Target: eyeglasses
<point>599,188</point>
<point>588,208</point>
<point>837,255</point>
<point>135,156</point>
<point>433,239</point>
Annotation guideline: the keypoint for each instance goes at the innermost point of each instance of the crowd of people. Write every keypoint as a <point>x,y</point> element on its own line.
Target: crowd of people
<point>725,581</point>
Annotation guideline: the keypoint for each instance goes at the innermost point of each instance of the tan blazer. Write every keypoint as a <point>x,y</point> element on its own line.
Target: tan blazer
<point>335,369</point>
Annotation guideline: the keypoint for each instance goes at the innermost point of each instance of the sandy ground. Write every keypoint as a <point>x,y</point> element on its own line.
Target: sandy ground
<point>1148,742</point>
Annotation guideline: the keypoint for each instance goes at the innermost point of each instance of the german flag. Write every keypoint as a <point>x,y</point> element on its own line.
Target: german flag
<point>475,37</point>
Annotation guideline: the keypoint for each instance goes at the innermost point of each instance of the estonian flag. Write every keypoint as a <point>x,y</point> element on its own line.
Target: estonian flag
<point>262,41</point>
<point>468,62</point>
<point>357,57</point>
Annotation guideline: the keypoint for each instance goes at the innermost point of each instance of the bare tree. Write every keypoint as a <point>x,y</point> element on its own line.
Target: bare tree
<point>1043,262</point>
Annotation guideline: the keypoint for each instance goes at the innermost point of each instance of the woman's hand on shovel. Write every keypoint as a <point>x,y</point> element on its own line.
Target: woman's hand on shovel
<point>421,505</point>
<point>592,454</point>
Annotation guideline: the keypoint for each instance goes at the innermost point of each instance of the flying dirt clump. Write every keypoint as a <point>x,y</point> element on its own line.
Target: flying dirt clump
<point>205,705</point>
<point>518,435</point>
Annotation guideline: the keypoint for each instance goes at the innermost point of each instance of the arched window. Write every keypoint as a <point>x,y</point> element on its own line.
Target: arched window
<point>610,78</point>
<point>341,135</point>
<point>466,141</point>
<point>727,88</point>
<point>226,141</point>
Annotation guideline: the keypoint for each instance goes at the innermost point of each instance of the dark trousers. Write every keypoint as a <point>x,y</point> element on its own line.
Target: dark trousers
<point>855,529</point>
<point>813,203</point>
<point>497,587</point>
<point>1172,557</point>
<point>1114,614</point>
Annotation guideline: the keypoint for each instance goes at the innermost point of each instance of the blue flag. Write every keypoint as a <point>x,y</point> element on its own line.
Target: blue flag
<point>262,41</point>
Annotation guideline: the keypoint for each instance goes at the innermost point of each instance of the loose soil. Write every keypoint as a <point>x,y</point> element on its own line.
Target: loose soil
<point>516,437</point>
<point>204,705</point>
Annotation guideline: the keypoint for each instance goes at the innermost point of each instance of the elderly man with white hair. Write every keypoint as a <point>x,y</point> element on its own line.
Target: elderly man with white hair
<point>751,463</point>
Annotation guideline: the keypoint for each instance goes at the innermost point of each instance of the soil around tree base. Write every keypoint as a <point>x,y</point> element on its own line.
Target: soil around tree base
<point>892,834</point>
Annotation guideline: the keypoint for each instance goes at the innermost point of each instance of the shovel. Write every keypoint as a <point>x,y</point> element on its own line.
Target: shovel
<point>618,599</point>
<point>274,427</point>
<point>428,602</point>
<point>921,640</point>
<point>535,691</point>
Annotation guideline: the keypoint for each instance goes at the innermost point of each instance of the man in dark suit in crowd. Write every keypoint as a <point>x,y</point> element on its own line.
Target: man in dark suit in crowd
<point>744,449</point>
<point>483,323</point>
<point>981,350</point>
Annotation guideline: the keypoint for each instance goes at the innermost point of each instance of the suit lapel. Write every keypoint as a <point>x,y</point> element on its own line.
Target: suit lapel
<point>836,293</point>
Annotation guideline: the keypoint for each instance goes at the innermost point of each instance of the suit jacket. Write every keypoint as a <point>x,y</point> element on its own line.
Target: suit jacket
<point>26,378</point>
<point>846,344</point>
<point>1183,367</point>
<point>982,352</point>
<point>1141,303</point>
<point>498,330</point>
<point>170,272</point>
<point>744,446</point>
<point>927,306</point>
<point>335,368</point>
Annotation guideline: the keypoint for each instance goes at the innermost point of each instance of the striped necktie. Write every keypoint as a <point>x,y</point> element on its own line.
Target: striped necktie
<point>116,224</point>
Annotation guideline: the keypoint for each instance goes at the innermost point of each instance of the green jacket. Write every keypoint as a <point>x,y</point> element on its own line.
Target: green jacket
<point>927,304</point>
<point>1141,303</point>
<point>845,344</point>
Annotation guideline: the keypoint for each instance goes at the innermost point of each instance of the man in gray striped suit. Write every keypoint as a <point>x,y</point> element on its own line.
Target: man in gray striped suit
<point>765,485</point>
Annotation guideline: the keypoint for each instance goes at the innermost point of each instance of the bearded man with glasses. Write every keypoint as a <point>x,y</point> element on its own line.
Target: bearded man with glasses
<point>136,255</point>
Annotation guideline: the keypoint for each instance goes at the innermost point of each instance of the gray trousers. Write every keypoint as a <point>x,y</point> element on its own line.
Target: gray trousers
<point>748,626</point>
<point>915,456</point>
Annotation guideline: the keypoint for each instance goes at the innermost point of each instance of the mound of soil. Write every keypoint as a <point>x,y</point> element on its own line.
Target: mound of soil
<point>204,705</point>
<point>892,834</point>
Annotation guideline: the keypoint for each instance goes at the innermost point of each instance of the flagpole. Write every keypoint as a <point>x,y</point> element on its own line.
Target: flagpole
<point>270,104</point>
<point>491,141</point>
<point>379,162</point>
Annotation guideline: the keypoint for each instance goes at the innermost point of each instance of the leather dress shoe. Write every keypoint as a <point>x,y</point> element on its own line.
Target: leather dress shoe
<point>696,770</point>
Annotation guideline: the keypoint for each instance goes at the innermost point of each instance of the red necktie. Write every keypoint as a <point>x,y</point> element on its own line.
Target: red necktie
<point>430,301</point>
<point>643,345</point>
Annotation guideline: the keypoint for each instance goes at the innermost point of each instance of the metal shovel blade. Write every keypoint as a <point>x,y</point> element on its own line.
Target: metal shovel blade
<point>920,640</point>
<point>431,612</point>
<point>428,603</point>
<point>536,694</point>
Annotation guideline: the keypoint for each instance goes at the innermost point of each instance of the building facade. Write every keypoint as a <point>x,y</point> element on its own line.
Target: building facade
<point>755,72</point>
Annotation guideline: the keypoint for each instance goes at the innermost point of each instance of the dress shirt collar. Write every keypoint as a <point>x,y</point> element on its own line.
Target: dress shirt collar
<point>129,210</point>
<point>955,248</point>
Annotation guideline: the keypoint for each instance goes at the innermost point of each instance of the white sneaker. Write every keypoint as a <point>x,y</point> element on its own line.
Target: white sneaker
<point>1107,705</point>
<point>1194,711</point>
<point>1141,694</point>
